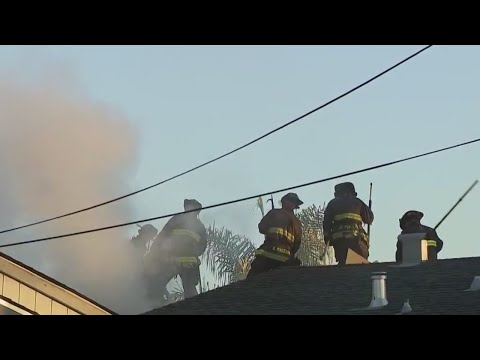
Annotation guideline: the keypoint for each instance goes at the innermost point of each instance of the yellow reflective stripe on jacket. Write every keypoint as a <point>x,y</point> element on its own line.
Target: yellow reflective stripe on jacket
<point>187,260</point>
<point>281,232</point>
<point>184,232</point>
<point>338,235</point>
<point>431,243</point>
<point>282,251</point>
<point>350,216</point>
<point>271,255</point>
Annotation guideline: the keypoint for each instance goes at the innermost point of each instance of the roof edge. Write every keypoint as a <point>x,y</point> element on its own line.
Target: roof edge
<point>56,282</point>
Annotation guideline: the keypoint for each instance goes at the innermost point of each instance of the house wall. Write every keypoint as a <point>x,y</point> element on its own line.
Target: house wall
<point>31,299</point>
<point>35,293</point>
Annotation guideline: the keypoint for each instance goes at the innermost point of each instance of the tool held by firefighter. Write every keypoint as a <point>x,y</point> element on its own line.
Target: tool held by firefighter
<point>271,200</point>
<point>456,204</point>
<point>283,236</point>
<point>343,223</point>
<point>370,207</point>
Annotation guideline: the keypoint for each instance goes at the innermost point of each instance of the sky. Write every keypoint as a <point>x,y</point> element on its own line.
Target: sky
<point>187,104</point>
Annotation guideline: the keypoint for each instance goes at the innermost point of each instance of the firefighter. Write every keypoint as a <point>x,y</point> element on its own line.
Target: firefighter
<point>145,235</point>
<point>343,223</point>
<point>410,224</point>
<point>179,245</point>
<point>283,236</point>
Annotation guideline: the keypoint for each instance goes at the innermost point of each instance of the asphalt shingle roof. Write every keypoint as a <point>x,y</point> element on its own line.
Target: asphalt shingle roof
<point>432,288</point>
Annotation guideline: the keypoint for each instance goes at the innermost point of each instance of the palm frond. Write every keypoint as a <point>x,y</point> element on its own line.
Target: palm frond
<point>226,254</point>
<point>260,205</point>
<point>313,251</point>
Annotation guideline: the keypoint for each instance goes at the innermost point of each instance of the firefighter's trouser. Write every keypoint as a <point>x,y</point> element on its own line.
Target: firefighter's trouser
<point>341,246</point>
<point>263,264</point>
<point>349,236</point>
<point>269,258</point>
<point>188,268</point>
<point>189,272</point>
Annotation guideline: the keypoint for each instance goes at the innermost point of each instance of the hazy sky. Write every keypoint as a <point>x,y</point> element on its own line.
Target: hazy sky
<point>191,103</point>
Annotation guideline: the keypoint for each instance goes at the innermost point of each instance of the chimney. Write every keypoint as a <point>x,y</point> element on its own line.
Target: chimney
<point>379,290</point>
<point>414,248</point>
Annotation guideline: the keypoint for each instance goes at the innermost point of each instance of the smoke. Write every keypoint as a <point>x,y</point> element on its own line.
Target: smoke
<point>61,151</point>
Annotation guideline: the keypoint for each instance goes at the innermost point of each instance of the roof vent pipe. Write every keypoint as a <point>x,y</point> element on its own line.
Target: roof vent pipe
<point>379,290</point>
<point>475,285</point>
<point>406,308</point>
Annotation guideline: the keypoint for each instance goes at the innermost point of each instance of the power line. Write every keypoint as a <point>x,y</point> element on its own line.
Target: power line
<point>245,198</point>
<point>226,154</point>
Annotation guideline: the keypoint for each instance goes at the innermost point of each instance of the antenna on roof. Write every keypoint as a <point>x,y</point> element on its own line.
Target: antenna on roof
<point>370,207</point>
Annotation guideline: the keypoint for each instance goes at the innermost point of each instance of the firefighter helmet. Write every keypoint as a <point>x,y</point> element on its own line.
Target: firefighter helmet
<point>293,198</point>
<point>345,188</point>
<point>192,203</point>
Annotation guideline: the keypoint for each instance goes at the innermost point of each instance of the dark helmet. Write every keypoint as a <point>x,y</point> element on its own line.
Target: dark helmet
<point>293,198</point>
<point>410,215</point>
<point>147,230</point>
<point>191,203</point>
<point>346,188</point>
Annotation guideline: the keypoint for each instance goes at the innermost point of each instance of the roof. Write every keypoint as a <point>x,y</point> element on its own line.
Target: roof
<point>432,288</point>
<point>26,277</point>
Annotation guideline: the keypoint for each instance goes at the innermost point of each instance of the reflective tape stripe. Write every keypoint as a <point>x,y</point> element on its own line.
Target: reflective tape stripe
<point>338,235</point>
<point>281,250</point>
<point>184,232</point>
<point>281,232</point>
<point>187,260</point>
<point>431,243</point>
<point>346,234</point>
<point>351,234</point>
<point>271,255</point>
<point>349,216</point>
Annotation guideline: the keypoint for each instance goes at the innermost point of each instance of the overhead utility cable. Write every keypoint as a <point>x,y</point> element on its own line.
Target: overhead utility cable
<point>226,154</point>
<point>245,198</point>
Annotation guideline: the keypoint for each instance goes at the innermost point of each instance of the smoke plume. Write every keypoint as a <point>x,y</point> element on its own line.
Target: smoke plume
<point>61,151</point>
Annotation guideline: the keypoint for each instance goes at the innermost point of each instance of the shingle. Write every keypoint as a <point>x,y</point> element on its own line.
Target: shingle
<point>433,288</point>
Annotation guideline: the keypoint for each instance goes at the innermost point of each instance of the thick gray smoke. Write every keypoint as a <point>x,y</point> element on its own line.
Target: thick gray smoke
<point>61,151</point>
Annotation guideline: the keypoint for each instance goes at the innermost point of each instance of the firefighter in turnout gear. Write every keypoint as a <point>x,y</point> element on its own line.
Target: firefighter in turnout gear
<point>283,236</point>
<point>185,238</point>
<point>343,223</point>
<point>410,224</point>
<point>146,234</point>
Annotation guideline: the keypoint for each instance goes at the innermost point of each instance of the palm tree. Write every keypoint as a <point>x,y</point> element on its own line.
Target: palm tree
<point>313,250</point>
<point>228,256</point>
